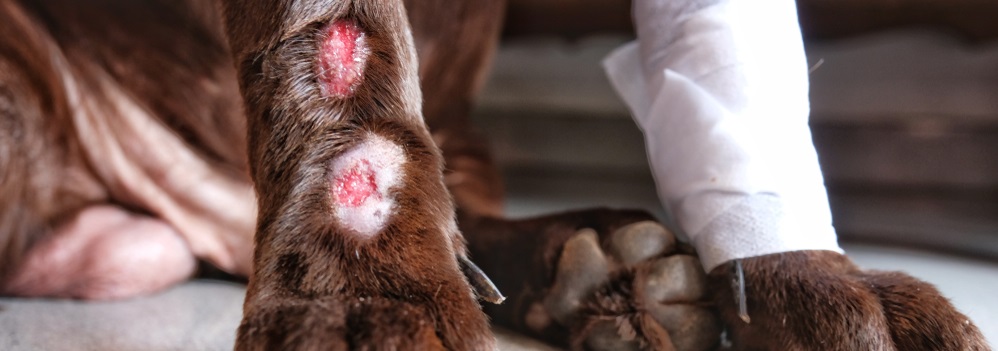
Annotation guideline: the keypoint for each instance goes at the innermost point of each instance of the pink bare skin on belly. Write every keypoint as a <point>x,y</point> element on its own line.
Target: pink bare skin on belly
<point>104,252</point>
<point>193,207</point>
<point>196,209</point>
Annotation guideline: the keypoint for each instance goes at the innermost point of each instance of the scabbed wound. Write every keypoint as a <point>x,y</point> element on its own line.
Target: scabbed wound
<point>343,54</point>
<point>356,185</point>
<point>361,184</point>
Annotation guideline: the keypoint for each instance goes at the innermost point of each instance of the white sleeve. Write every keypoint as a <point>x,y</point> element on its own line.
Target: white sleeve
<point>720,90</point>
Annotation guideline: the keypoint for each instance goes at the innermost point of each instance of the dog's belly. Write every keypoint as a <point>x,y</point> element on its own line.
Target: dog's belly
<point>146,165</point>
<point>163,202</point>
<point>147,116</point>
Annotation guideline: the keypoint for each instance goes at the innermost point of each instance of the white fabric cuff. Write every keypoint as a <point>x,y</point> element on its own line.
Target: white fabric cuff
<point>720,92</point>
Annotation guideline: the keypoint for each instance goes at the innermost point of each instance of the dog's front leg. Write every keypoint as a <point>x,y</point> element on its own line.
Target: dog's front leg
<point>356,245</point>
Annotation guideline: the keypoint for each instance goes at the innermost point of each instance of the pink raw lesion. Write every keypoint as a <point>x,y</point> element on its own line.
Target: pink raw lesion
<point>356,185</point>
<point>361,183</point>
<point>343,54</point>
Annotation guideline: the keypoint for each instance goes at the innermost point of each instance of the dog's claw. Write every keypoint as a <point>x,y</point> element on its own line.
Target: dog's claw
<point>484,288</point>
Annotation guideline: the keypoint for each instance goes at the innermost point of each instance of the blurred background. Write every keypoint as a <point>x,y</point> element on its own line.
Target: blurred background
<point>904,98</point>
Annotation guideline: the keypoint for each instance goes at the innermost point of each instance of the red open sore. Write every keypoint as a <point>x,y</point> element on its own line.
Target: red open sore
<point>343,55</point>
<point>356,185</point>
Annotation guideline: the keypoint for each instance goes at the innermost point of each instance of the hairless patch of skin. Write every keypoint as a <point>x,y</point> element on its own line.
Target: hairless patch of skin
<point>355,185</point>
<point>361,180</point>
<point>343,53</point>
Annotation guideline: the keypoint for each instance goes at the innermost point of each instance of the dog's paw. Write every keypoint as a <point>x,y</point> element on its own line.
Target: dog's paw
<point>605,280</point>
<point>353,211</point>
<point>371,252</point>
<point>819,300</point>
<point>372,323</point>
<point>637,290</point>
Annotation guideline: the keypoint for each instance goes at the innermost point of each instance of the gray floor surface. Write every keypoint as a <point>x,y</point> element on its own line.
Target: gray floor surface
<point>203,314</point>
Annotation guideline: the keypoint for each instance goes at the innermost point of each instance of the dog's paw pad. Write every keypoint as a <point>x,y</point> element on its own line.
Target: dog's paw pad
<point>613,334</point>
<point>581,269</point>
<point>672,279</point>
<point>690,327</point>
<point>637,290</point>
<point>671,289</point>
<point>641,241</point>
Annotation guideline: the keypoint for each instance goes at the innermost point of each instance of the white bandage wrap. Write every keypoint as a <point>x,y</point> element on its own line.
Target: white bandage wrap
<point>720,90</point>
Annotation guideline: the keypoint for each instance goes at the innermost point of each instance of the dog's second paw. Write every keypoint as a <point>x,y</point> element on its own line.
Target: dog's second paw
<point>819,300</point>
<point>641,291</point>
<point>599,280</point>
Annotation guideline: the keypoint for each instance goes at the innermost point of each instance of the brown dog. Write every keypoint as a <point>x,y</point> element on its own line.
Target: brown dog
<point>145,127</point>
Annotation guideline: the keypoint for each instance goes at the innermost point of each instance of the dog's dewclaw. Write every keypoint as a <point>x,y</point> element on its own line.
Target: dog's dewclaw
<point>484,288</point>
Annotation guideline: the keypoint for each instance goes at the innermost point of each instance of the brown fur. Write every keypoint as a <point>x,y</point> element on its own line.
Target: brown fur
<point>294,132</point>
<point>798,300</point>
<point>37,153</point>
<point>48,175</point>
<point>455,41</point>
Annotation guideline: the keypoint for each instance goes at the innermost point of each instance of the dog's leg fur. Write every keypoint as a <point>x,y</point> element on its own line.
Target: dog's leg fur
<point>333,108</point>
<point>29,92</point>
<point>455,41</point>
<point>818,299</point>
